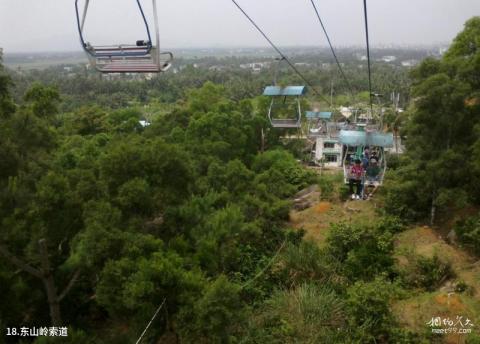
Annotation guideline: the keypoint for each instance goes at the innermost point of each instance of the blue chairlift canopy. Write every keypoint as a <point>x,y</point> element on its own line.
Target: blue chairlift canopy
<point>318,115</point>
<point>273,91</point>
<point>357,138</point>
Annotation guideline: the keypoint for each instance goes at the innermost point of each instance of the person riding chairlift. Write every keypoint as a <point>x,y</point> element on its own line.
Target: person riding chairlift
<point>366,152</point>
<point>355,178</point>
<point>372,175</point>
<point>373,170</point>
<point>365,162</point>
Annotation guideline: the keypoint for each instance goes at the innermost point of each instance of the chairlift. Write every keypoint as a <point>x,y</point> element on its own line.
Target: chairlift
<point>354,143</point>
<point>141,57</point>
<point>280,100</point>
<point>317,121</point>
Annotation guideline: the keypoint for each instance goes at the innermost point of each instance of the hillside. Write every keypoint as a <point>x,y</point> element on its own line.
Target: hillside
<point>457,295</point>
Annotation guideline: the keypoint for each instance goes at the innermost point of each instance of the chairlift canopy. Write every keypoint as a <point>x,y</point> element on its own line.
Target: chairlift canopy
<point>277,91</point>
<point>356,138</point>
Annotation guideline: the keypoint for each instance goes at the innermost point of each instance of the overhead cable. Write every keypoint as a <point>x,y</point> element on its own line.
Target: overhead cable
<point>282,55</point>
<point>333,50</point>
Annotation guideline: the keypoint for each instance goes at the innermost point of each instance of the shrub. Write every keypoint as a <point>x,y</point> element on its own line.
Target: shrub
<point>309,313</point>
<point>362,251</point>
<point>426,273</point>
<point>368,309</point>
<point>468,232</point>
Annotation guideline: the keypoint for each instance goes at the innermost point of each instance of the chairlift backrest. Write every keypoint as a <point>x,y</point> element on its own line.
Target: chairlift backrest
<point>318,115</point>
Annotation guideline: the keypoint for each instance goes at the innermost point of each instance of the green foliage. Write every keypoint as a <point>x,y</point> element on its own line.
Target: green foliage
<point>441,131</point>
<point>327,188</point>
<point>309,313</point>
<point>89,121</point>
<point>304,263</point>
<point>368,310</point>
<point>468,232</point>
<point>186,210</point>
<point>134,285</point>
<point>43,100</point>
<point>363,252</point>
<point>280,172</point>
<point>216,316</point>
<point>473,338</point>
<point>7,106</point>
<point>426,273</point>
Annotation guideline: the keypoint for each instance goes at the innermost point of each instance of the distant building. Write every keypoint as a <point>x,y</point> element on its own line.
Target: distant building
<point>321,128</point>
<point>302,64</point>
<point>328,151</point>
<point>256,67</point>
<point>409,63</point>
<point>388,59</point>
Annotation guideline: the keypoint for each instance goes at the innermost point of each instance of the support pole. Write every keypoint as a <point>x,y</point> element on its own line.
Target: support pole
<point>157,33</point>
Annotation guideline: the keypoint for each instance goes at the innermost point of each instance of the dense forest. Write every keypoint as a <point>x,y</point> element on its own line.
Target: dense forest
<point>123,197</point>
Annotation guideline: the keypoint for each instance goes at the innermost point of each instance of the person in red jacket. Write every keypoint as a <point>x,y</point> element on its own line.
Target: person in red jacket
<point>355,178</point>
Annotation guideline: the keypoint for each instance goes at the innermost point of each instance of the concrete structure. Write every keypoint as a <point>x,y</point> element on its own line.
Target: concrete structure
<point>328,151</point>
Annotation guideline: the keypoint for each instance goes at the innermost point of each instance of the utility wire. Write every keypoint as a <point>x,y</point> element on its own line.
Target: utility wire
<point>368,55</point>
<point>333,50</point>
<point>266,266</point>
<point>280,53</point>
<point>151,320</point>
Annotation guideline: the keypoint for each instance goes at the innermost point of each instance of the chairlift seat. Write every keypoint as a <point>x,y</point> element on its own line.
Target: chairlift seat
<point>141,57</point>
<point>123,50</point>
<point>131,64</point>
<point>285,123</point>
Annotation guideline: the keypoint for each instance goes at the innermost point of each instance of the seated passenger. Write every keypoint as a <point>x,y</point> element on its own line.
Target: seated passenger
<point>355,178</point>
<point>364,162</point>
<point>366,152</point>
<point>373,170</point>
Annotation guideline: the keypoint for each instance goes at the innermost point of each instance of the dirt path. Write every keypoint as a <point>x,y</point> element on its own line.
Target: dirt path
<point>316,219</point>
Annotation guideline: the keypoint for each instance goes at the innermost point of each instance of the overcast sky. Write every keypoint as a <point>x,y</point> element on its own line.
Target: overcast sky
<point>50,25</point>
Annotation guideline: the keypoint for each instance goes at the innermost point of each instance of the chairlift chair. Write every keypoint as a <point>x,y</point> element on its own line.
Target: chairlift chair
<point>354,143</point>
<point>317,122</point>
<point>141,57</point>
<point>279,99</point>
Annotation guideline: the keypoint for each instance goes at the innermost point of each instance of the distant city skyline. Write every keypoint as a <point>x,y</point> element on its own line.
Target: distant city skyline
<point>50,25</point>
